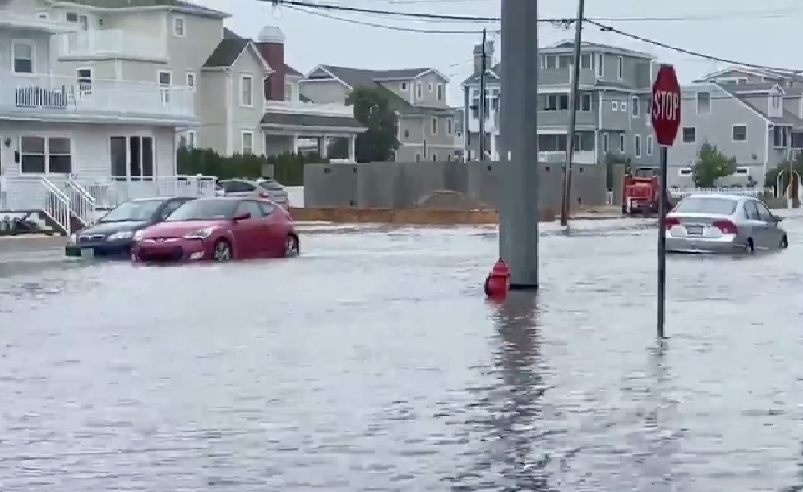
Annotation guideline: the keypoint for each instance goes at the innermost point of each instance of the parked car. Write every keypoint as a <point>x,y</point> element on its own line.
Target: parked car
<point>256,188</point>
<point>219,229</point>
<point>113,234</point>
<point>723,224</point>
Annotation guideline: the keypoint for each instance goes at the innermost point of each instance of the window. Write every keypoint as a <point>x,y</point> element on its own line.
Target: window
<point>246,90</point>
<point>584,103</point>
<point>622,143</point>
<point>42,14</point>
<point>605,143</point>
<point>406,133</point>
<point>563,102</point>
<point>689,134</point>
<point>191,80</point>
<point>620,68</point>
<point>434,126</point>
<point>614,105</point>
<point>440,92</point>
<point>780,136</point>
<point>419,90</point>
<point>192,139</point>
<point>23,56</point>
<point>637,145</point>
<point>171,207</point>
<point>417,157</point>
<point>600,65</point>
<point>404,86</point>
<point>776,101</point>
<point>45,155</point>
<point>140,157</point>
<point>119,157</point>
<point>649,144</point>
<point>84,76</point>
<point>739,133</point>
<point>165,81</point>
<point>585,61</point>
<point>248,143</point>
<point>249,207</point>
<point>623,106</point>
<point>288,92</point>
<point>703,103</point>
<point>266,207</point>
<point>549,62</point>
<point>684,171</point>
<point>236,186</point>
<point>751,211</point>
<point>743,171</point>
<point>635,107</point>
<point>763,212</point>
<point>81,20</point>
<point>550,102</point>
<point>178,27</point>
<point>434,158</point>
<point>448,126</point>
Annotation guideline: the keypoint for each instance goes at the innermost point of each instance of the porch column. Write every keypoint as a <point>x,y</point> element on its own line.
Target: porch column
<point>323,143</point>
<point>352,146</point>
<point>493,146</point>
<point>295,143</point>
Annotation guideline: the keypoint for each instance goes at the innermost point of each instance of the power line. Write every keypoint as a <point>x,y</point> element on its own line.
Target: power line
<point>382,26</point>
<point>564,22</point>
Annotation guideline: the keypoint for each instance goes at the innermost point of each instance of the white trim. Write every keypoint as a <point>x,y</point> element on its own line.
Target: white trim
<point>91,78</point>
<point>694,142</point>
<point>650,144</point>
<point>614,105</point>
<point>697,102</point>
<point>194,85</point>
<point>622,143</point>
<point>733,127</point>
<point>634,100</point>
<point>685,171</point>
<point>229,114</point>
<point>243,133</point>
<point>433,125</point>
<point>620,68</point>
<point>450,126</point>
<point>742,171</point>
<point>23,42</point>
<point>323,67</point>
<point>637,150</point>
<point>176,19</point>
<point>606,143</point>
<point>419,90</point>
<point>243,77</point>
<point>429,71</point>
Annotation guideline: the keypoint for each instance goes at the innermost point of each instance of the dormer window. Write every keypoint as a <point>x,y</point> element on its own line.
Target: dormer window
<point>776,101</point>
<point>79,19</point>
<point>178,27</point>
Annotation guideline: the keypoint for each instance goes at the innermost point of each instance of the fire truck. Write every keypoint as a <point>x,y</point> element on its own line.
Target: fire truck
<point>641,192</point>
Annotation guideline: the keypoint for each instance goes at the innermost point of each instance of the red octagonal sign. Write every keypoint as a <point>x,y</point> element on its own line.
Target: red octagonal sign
<point>666,106</point>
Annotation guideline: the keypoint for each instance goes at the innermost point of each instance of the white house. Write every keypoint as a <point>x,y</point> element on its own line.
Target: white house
<point>70,143</point>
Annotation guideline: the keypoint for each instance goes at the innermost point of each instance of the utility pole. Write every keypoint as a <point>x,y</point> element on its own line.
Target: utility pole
<point>574,100</point>
<point>518,202</point>
<point>483,69</point>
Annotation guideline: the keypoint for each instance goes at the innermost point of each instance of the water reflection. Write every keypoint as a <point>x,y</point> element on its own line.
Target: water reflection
<point>516,430</point>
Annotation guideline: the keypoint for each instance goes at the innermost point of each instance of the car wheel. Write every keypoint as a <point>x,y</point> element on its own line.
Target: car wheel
<point>222,251</point>
<point>751,247</point>
<point>784,242</point>
<point>291,247</point>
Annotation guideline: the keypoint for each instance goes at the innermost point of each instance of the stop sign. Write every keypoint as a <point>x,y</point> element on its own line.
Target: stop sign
<point>666,105</point>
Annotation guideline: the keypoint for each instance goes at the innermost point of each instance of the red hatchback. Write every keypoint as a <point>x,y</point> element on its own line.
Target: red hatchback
<point>219,229</point>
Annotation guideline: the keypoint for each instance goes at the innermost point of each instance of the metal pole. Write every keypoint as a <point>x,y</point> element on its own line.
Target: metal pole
<point>483,69</point>
<point>662,246</point>
<point>573,101</point>
<point>466,132</point>
<point>518,204</point>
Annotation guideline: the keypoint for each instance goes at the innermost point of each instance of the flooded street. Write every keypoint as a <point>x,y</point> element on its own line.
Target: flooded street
<point>374,363</point>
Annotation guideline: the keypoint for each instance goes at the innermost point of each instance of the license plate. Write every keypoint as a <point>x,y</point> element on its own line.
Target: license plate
<point>694,230</point>
<point>87,253</point>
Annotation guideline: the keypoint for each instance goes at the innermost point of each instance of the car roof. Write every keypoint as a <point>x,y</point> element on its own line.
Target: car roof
<point>153,199</point>
<point>724,196</point>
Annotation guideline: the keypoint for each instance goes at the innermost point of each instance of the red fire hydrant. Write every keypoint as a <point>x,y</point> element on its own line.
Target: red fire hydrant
<point>497,284</point>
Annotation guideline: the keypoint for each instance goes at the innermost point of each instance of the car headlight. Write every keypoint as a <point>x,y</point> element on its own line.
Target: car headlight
<point>117,236</point>
<point>200,234</point>
<point>137,236</point>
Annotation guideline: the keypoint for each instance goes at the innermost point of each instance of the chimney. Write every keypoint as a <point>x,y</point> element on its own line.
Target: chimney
<point>489,56</point>
<point>271,46</point>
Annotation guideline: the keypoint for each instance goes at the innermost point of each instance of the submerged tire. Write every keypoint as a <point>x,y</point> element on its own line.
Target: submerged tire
<point>222,251</point>
<point>291,246</point>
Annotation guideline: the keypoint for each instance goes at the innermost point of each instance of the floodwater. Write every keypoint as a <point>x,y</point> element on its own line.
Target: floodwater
<point>374,363</point>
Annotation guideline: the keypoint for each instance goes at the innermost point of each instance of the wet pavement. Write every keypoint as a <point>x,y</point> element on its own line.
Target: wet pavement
<point>372,362</point>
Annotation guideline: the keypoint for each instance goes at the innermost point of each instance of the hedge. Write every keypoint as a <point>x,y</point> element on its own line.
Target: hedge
<point>286,168</point>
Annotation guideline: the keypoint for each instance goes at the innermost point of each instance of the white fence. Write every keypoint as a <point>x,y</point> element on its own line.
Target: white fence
<point>684,192</point>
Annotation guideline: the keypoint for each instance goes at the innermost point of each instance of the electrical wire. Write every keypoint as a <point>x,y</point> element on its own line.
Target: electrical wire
<point>563,21</point>
<point>382,26</point>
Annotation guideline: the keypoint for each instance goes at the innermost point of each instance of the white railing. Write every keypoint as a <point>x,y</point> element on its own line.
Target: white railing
<point>32,193</point>
<point>684,192</point>
<point>330,109</point>
<point>559,157</point>
<point>66,96</point>
<point>57,205</point>
<point>109,192</point>
<point>82,203</point>
<point>111,42</point>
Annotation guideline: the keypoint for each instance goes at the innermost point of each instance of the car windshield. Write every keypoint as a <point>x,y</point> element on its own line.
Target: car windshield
<point>205,210</point>
<point>706,205</point>
<point>134,211</point>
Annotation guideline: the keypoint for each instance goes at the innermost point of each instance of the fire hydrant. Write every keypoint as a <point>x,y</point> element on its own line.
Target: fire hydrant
<point>497,284</point>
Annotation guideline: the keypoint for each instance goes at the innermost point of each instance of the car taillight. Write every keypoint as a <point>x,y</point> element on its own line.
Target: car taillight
<point>262,194</point>
<point>671,222</point>
<point>726,226</point>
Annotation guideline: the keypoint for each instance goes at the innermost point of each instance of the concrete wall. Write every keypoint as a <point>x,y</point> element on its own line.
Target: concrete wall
<point>402,184</point>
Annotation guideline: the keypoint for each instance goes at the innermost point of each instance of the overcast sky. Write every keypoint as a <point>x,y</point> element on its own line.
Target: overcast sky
<point>765,33</point>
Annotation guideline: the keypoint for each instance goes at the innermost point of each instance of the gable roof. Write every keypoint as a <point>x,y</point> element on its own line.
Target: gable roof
<point>182,6</point>
<point>355,77</point>
<point>754,96</point>
<point>229,34</point>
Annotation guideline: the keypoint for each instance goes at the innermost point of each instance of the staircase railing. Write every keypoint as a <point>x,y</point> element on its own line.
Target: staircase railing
<point>82,203</point>
<point>56,205</point>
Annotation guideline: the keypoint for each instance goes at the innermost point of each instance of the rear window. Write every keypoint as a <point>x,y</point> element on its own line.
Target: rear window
<point>271,185</point>
<point>236,186</point>
<point>706,205</point>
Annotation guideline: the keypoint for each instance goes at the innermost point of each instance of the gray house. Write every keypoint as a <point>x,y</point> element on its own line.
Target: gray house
<point>612,116</point>
<point>754,117</point>
<point>426,122</point>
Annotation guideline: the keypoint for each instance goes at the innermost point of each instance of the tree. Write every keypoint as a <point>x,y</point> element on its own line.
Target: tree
<point>711,165</point>
<point>372,109</point>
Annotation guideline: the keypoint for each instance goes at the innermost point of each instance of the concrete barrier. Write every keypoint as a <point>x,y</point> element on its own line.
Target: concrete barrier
<point>404,216</point>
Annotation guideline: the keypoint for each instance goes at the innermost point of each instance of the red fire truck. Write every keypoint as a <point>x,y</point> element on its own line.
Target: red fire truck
<point>641,193</point>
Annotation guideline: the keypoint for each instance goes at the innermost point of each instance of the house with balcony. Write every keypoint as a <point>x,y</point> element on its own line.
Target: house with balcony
<point>426,124</point>
<point>245,95</point>
<point>753,116</point>
<point>68,142</point>
<point>612,110</point>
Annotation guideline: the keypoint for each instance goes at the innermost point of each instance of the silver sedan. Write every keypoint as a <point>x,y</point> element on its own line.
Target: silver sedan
<point>723,224</point>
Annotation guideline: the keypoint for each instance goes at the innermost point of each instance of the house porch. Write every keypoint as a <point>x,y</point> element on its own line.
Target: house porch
<point>285,132</point>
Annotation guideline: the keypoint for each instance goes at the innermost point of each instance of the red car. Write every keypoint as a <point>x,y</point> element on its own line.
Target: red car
<point>219,229</point>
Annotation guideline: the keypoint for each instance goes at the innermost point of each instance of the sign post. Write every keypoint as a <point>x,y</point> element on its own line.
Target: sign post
<point>665,121</point>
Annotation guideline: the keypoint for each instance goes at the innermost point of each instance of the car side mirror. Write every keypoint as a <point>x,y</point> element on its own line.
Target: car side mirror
<point>242,216</point>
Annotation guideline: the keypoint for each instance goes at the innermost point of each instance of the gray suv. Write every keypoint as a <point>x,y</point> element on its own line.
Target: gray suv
<point>262,188</point>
